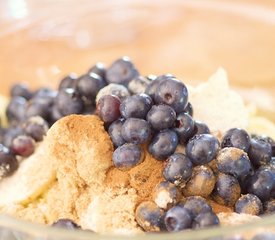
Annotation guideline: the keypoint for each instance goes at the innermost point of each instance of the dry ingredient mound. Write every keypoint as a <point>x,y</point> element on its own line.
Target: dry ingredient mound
<point>87,188</point>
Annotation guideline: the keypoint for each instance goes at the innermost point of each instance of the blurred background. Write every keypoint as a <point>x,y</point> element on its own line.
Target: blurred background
<point>43,40</point>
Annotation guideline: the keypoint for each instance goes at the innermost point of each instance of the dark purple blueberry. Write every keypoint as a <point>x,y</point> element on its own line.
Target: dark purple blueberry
<point>233,161</point>
<point>163,144</point>
<point>269,207</point>
<point>177,218</point>
<point>36,127</point>
<point>264,236</point>
<point>227,190</point>
<point>10,134</point>
<point>21,90</point>
<point>16,109</point>
<point>201,182</point>
<point>108,108</point>
<point>161,117</point>
<point>249,204</point>
<point>260,152</point>
<point>99,69</point>
<point>8,162</point>
<point>89,109</point>
<point>138,85</point>
<point>236,137</point>
<point>202,148</point>
<point>189,109</point>
<point>66,223</point>
<point>127,156</point>
<point>149,216</point>
<point>177,169</point>
<point>122,71</point>
<point>152,87</point>
<point>89,85</point>
<point>68,82</point>
<point>166,194</point>
<point>206,219</point>
<point>23,146</point>
<point>136,106</point>
<point>201,128</point>
<point>135,130</point>
<point>184,127</point>
<point>40,106</point>
<point>115,133</point>
<point>46,93</point>
<point>197,205</point>
<point>173,93</point>
<point>55,114</point>
<point>262,184</point>
<point>69,101</point>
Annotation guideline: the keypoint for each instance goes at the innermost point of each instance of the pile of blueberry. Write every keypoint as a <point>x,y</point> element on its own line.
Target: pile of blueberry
<point>152,113</point>
<point>238,172</point>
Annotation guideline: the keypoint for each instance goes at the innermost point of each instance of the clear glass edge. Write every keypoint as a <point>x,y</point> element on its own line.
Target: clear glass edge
<point>39,230</point>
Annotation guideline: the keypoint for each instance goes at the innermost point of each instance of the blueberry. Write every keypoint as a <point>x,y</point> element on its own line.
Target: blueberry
<point>206,219</point>
<point>121,71</point>
<point>45,93</point>
<point>16,109</point>
<point>10,134</point>
<point>269,207</point>
<point>163,144</point>
<point>201,128</point>
<point>23,146</point>
<point>21,90</point>
<point>149,216</point>
<point>66,224</point>
<point>36,127</point>
<point>236,137</point>
<point>152,87</point>
<point>227,190</point>
<point>189,109</point>
<point>55,114</point>
<point>202,148</point>
<point>68,82</point>
<point>135,130</point>
<point>127,156</point>
<point>108,108</point>
<point>233,161</point>
<point>184,127</point>
<point>39,107</point>
<point>201,182</point>
<point>197,205</point>
<point>161,117</point>
<point>136,106</point>
<point>69,101</point>
<point>177,218</point>
<point>260,152</point>
<point>178,169</point>
<point>113,89</point>
<point>89,85</point>
<point>138,85</point>
<point>262,184</point>
<point>99,69</point>
<point>8,162</point>
<point>166,194</point>
<point>115,132</point>
<point>173,93</point>
<point>249,204</point>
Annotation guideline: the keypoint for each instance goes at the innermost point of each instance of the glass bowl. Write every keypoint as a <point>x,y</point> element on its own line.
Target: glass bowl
<point>42,41</point>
